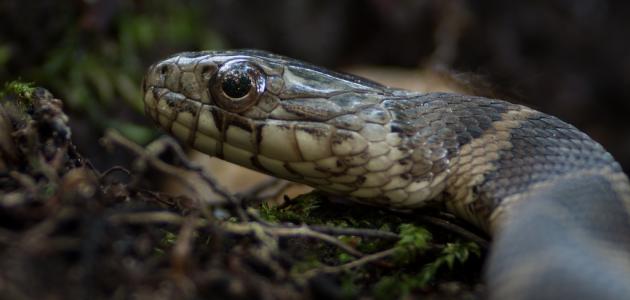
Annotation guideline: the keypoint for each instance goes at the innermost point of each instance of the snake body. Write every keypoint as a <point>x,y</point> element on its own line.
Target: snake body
<point>556,203</point>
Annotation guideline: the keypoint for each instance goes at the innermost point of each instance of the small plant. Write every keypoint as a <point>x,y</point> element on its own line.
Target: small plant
<point>413,241</point>
<point>453,252</point>
<point>17,88</point>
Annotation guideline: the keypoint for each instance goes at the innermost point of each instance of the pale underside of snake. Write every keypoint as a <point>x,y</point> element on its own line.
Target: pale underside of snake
<point>556,203</point>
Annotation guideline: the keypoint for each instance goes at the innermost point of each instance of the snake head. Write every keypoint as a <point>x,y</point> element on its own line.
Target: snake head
<point>277,115</point>
<point>251,82</point>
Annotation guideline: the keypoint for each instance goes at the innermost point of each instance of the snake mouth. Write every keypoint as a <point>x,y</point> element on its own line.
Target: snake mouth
<point>221,133</point>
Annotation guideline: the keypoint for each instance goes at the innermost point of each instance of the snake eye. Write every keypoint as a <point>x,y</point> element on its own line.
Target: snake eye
<point>237,85</point>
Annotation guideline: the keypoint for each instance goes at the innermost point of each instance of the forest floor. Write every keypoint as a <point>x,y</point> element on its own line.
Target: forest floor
<point>70,231</point>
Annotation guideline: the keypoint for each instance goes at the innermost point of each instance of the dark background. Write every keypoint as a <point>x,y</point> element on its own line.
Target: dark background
<point>564,57</point>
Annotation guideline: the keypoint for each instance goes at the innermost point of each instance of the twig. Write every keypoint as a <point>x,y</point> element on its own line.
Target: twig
<point>180,254</point>
<point>362,232</point>
<point>305,231</point>
<point>112,136</point>
<point>209,180</point>
<point>24,180</point>
<point>115,169</point>
<point>154,217</point>
<point>266,190</point>
<point>456,229</point>
<point>235,228</point>
<point>302,231</point>
<point>348,266</point>
<point>33,237</point>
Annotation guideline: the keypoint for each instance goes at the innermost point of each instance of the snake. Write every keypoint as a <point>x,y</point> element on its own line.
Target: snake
<point>554,201</point>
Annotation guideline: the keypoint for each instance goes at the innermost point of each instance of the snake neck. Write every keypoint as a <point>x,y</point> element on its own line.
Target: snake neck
<point>483,155</point>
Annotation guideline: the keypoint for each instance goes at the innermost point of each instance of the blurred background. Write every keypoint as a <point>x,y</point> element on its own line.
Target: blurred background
<point>568,58</point>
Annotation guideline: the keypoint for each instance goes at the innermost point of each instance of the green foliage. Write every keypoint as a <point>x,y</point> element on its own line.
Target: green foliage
<point>413,241</point>
<point>453,252</point>
<point>20,89</point>
<point>316,208</point>
<point>400,284</point>
<point>344,257</point>
<point>98,74</point>
<point>298,211</point>
<point>16,96</point>
<point>305,264</point>
<point>395,286</point>
<point>168,240</point>
<point>416,246</point>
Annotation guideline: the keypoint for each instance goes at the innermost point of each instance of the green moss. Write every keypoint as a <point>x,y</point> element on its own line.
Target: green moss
<point>305,264</point>
<point>19,89</point>
<point>316,208</point>
<point>298,211</point>
<point>98,75</point>
<point>344,257</point>
<point>17,96</point>
<point>394,287</point>
<point>415,265</point>
<point>401,284</point>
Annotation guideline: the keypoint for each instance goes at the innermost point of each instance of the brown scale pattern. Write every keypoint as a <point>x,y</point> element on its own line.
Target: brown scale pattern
<point>543,147</point>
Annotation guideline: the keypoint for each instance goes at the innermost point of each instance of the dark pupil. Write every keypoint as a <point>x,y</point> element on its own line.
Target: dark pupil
<point>236,84</point>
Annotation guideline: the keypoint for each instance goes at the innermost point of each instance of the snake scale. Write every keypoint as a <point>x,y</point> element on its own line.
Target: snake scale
<point>556,203</point>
